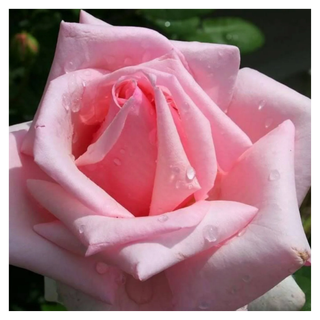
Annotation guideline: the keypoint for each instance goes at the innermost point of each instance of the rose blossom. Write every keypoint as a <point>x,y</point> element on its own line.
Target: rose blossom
<point>156,176</point>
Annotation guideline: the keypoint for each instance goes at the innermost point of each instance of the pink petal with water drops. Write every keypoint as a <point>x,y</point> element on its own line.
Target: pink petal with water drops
<point>214,67</point>
<point>273,245</point>
<point>260,104</point>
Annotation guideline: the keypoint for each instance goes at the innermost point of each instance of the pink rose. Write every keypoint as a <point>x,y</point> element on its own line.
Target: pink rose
<point>157,176</point>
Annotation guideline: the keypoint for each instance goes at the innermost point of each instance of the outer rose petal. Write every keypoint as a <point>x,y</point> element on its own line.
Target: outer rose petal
<point>285,296</point>
<point>260,104</point>
<point>30,251</point>
<point>150,255</point>
<point>214,67</point>
<point>274,244</point>
<point>99,232</point>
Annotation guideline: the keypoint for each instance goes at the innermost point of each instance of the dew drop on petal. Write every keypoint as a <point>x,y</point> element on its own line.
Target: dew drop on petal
<point>268,123</point>
<point>163,218</point>
<point>210,233</point>
<point>81,228</point>
<point>261,105</point>
<point>274,175</point>
<point>127,61</point>
<point>75,137</point>
<point>101,267</point>
<point>204,305</point>
<point>241,232</point>
<point>122,151</point>
<point>190,174</point>
<point>175,170</point>
<point>179,184</point>
<point>246,278</point>
<point>69,67</point>
<point>116,161</point>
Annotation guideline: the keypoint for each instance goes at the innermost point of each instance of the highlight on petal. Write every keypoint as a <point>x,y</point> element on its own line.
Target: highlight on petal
<point>100,232</point>
<point>274,241</point>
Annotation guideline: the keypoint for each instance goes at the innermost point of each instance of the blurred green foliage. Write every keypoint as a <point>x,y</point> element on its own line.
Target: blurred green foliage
<point>33,35</point>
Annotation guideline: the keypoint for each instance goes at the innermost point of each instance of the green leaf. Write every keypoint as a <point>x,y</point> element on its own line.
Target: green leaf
<point>174,14</point>
<point>179,28</point>
<point>303,279</point>
<point>52,307</point>
<point>234,31</point>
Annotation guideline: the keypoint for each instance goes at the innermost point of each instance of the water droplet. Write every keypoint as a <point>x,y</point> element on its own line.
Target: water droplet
<point>69,67</point>
<point>153,137</point>
<point>261,105</point>
<point>179,184</point>
<point>226,110</point>
<point>75,137</point>
<point>246,278</point>
<point>163,218</point>
<point>116,161</point>
<point>175,170</point>
<point>146,56</point>
<point>83,84</point>
<point>65,102</point>
<point>190,174</point>
<point>210,233</point>
<point>233,290</point>
<point>241,232</point>
<point>122,151</point>
<point>204,305</point>
<point>274,175</point>
<point>127,61</point>
<point>268,123</point>
<point>101,267</point>
<point>121,279</point>
<point>81,228</point>
<point>167,24</point>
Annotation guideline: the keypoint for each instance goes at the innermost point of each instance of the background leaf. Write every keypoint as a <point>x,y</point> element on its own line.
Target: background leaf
<point>303,279</point>
<point>174,14</point>
<point>228,30</point>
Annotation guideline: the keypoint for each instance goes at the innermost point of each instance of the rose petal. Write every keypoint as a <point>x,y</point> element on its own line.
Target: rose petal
<point>214,67</point>
<point>261,103</point>
<point>100,232</point>
<point>285,296</point>
<point>147,257</point>
<point>275,243</point>
<point>30,251</point>
<point>172,184</point>
<point>54,128</point>
<point>229,140</point>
